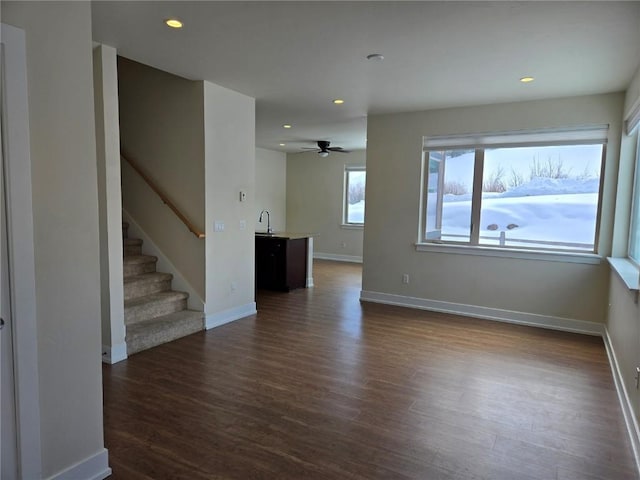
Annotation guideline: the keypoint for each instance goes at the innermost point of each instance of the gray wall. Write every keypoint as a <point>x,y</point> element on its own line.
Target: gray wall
<point>623,324</point>
<point>66,240</point>
<point>572,291</point>
<point>271,189</point>
<point>315,201</point>
<point>229,126</point>
<point>161,128</point>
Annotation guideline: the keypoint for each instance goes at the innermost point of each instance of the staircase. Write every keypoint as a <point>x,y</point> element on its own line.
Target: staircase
<point>153,313</point>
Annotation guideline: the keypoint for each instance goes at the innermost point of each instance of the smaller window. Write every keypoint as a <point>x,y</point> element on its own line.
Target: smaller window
<point>634,234</point>
<point>354,188</point>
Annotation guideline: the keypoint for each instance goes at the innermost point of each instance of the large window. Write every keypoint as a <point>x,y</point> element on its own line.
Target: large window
<point>634,231</point>
<point>354,187</point>
<point>528,190</point>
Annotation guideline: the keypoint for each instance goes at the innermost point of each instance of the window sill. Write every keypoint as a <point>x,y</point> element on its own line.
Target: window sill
<point>352,226</point>
<point>627,271</point>
<point>565,257</point>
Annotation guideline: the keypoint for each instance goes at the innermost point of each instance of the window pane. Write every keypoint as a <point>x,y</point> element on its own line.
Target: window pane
<point>634,237</point>
<point>356,181</point>
<point>541,197</point>
<point>449,186</point>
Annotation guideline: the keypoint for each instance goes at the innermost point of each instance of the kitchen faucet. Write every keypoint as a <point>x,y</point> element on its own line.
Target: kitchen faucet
<point>269,230</point>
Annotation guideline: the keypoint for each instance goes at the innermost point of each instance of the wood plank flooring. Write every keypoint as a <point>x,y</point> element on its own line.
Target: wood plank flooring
<point>320,386</point>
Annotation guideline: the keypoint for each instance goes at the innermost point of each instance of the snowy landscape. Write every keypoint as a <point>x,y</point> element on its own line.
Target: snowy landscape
<point>530,209</point>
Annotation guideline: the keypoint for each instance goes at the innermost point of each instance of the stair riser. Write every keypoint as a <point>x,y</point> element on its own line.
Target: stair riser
<point>139,268</point>
<point>132,250</point>
<point>153,310</point>
<point>140,289</point>
<point>138,343</point>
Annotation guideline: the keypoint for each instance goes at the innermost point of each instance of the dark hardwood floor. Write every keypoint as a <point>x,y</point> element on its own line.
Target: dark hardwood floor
<point>319,386</point>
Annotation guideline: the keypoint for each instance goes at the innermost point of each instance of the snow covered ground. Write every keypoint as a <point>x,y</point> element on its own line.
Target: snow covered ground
<point>561,212</point>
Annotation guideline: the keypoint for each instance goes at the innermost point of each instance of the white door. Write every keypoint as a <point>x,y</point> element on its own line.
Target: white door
<point>8,444</point>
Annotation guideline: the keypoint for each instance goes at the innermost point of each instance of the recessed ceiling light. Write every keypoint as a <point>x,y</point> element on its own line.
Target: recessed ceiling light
<point>286,125</point>
<point>173,23</point>
<point>282,144</point>
<point>338,101</point>
<point>527,79</point>
<point>375,56</point>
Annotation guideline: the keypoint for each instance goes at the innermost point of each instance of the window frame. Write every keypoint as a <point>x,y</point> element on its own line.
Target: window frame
<point>345,196</point>
<point>635,204</point>
<point>480,142</point>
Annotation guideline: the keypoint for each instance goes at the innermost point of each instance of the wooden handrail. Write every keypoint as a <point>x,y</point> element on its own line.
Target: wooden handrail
<point>192,228</point>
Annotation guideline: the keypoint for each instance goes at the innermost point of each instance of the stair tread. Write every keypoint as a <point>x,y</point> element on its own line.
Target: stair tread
<point>135,259</point>
<point>148,277</point>
<point>133,242</point>
<point>160,323</point>
<point>168,296</point>
<point>167,328</point>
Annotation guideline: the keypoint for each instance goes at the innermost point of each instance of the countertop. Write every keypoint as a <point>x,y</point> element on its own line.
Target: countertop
<point>285,235</point>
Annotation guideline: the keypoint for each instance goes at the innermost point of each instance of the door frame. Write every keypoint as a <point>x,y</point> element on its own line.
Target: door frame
<point>15,120</point>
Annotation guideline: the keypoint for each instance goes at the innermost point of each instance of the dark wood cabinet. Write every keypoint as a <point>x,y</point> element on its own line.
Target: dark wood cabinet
<point>281,263</point>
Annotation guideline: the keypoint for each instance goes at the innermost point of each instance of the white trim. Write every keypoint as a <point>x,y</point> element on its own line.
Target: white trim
<point>625,402</point>
<point>95,467</point>
<point>497,314</point>
<point>352,226</point>
<point>565,257</point>
<point>627,271</point>
<point>338,258</point>
<point>21,251</point>
<point>114,354</point>
<point>213,320</point>
<point>194,302</point>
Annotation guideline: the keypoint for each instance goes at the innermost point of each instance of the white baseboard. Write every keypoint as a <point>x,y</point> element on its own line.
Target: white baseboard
<point>114,354</point>
<point>309,283</point>
<point>508,316</point>
<point>194,302</point>
<point>216,319</point>
<point>625,402</point>
<point>337,258</point>
<point>95,467</point>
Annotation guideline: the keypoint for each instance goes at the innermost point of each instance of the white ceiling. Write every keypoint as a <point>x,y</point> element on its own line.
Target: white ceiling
<point>296,57</point>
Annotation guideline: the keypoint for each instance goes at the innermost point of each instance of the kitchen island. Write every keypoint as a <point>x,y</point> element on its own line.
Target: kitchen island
<point>284,260</point>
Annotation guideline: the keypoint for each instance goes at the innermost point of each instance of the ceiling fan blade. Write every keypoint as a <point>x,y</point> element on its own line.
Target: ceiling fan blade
<point>309,148</point>
<point>339,149</point>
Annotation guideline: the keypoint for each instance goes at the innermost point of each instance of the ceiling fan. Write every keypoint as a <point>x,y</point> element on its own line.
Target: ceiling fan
<point>325,149</point>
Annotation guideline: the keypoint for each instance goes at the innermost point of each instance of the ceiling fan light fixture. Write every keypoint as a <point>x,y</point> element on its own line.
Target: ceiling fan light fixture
<point>286,125</point>
<point>338,101</point>
<point>527,79</point>
<point>323,154</point>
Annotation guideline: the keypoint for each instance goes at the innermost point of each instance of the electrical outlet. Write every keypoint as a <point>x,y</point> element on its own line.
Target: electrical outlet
<point>243,224</point>
<point>405,278</point>
<point>243,196</point>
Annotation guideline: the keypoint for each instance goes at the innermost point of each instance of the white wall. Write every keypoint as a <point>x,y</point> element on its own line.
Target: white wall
<point>624,313</point>
<point>549,290</point>
<point>229,133</point>
<point>315,199</point>
<point>66,239</point>
<point>105,77</point>
<point>161,128</point>
<point>271,189</point>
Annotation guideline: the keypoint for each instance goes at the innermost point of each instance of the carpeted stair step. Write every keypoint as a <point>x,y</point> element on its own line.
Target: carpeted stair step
<point>137,264</point>
<point>146,284</point>
<point>150,333</point>
<point>125,229</point>
<point>153,305</point>
<point>132,246</point>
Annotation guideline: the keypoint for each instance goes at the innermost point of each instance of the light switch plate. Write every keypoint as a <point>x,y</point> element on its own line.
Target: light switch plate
<point>218,226</point>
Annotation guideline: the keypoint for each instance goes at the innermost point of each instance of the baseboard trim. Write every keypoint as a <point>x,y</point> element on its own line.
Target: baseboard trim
<point>337,258</point>
<point>625,402</point>
<point>95,467</point>
<point>114,354</point>
<point>236,313</point>
<point>309,283</point>
<point>496,314</point>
